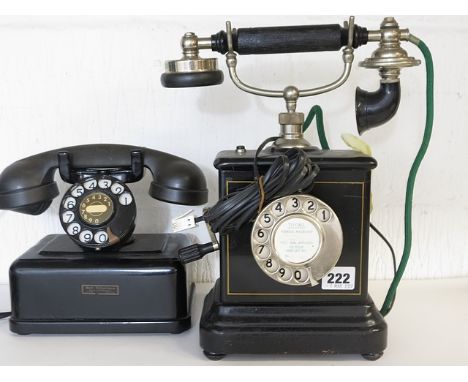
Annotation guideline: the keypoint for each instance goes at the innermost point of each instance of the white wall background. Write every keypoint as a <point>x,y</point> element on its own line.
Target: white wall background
<point>78,80</point>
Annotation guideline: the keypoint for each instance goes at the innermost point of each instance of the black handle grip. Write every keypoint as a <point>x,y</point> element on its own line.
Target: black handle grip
<point>288,39</point>
<point>28,185</point>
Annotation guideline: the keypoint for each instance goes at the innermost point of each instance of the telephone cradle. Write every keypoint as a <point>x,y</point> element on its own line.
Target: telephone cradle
<point>254,308</point>
<point>59,287</point>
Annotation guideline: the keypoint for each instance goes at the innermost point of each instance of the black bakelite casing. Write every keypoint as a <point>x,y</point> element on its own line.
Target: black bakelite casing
<point>58,287</point>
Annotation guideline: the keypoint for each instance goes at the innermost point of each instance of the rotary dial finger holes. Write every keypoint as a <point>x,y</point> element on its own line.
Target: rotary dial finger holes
<point>98,212</point>
<point>296,239</point>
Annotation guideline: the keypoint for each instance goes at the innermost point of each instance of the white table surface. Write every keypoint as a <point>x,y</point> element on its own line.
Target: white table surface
<point>428,326</point>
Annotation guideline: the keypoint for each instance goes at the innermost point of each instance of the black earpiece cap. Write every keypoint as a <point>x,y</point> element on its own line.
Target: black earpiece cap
<point>192,79</point>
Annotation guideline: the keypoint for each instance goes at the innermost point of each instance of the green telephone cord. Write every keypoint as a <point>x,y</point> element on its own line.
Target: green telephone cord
<point>316,112</point>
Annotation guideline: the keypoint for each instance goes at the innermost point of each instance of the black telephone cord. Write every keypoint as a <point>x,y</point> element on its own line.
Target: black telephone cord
<point>382,236</point>
<point>5,315</point>
<point>291,172</point>
<point>392,251</point>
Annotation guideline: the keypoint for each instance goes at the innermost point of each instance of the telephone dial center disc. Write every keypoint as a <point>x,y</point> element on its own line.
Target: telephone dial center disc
<point>96,208</point>
<point>98,212</point>
<point>297,239</point>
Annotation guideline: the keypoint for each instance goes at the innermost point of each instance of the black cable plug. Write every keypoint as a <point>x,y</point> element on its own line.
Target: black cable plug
<point>195,252</point>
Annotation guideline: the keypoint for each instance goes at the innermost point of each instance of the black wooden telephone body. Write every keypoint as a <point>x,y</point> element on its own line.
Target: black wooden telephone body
<point>69,283</point>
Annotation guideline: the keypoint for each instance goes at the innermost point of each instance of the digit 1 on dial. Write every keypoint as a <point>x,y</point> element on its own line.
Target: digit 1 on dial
<point>125,199</point>
<point>323,215</point>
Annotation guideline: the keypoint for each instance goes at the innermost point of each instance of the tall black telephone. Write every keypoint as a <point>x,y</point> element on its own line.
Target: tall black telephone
<point>293,219</point>
<point>99,276</point>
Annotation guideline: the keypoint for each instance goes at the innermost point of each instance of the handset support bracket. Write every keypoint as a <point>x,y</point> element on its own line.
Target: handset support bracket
<point>290,93</point>
<point>130,174</point>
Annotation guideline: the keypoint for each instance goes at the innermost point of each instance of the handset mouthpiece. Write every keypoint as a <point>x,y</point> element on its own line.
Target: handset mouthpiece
<point>376,108</point>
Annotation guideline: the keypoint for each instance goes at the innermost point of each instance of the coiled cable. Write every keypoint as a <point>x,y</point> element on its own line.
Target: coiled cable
<point>291,172</point>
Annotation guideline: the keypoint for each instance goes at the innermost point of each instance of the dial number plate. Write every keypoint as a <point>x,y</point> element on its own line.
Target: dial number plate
<point>96,208</point>
<point>297,239</point>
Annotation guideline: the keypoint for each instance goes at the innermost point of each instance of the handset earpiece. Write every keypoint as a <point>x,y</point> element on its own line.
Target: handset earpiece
<point>175,180</point>
<point>27,186</point>
<point>192,70</point>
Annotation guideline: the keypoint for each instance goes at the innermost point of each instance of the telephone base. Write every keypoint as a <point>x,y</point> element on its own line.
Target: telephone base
<point>58,287</point>
<point>319,328</point>
<point>98,327</point>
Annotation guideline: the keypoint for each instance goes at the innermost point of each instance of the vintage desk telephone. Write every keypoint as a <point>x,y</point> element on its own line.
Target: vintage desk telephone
<point>99,277</point>
<point>293,220</point>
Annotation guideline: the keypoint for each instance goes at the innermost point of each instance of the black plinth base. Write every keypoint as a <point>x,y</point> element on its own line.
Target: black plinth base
<point>57,287</point>
<point>291,329</point>
<point>24,327</point>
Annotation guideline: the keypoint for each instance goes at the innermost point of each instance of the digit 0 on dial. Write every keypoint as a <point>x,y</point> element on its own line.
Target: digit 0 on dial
<point>98,212</point>
<point>297,239</point>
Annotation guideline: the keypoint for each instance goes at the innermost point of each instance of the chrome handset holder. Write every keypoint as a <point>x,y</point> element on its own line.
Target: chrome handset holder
<point>291,122</point>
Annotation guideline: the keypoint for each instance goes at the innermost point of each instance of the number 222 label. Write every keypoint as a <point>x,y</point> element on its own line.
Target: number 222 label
<point>340,278</point>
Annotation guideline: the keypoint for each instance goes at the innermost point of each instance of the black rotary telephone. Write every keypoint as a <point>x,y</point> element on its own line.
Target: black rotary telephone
<point>100,277</point>
<point>98,211</point>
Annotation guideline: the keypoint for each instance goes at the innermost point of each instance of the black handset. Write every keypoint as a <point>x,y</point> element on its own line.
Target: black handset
<point>98,211</point>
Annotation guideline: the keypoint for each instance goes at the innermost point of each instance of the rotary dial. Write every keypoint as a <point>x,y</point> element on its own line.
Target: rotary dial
<point>98,212</point>
<point>297,239</point>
